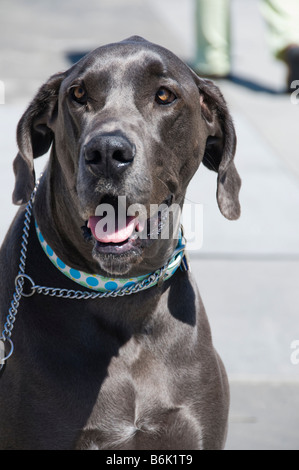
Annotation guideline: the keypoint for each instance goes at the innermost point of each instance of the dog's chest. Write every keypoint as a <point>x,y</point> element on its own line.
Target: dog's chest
<point>137,408</point>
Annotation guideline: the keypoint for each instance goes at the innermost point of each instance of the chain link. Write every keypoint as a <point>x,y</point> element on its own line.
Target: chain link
<point>13,310</point>
<point>78,295</point>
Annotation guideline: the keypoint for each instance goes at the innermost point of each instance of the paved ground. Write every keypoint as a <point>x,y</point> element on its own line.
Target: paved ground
<point>247,270</point>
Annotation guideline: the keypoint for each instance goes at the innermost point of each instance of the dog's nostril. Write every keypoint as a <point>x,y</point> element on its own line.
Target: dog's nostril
<point>119,156</point>
<point>93,156</point>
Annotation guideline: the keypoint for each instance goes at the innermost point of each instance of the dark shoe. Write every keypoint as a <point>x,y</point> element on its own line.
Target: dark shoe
<point>292,60</point>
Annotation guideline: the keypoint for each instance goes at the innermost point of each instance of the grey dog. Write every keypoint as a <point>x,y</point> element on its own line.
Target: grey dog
<point>134,371</point>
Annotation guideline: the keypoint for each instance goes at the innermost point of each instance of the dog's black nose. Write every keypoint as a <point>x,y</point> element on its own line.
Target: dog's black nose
<point>109,154</point>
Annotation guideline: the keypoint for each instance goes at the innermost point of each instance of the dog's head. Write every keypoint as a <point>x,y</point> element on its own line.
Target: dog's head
<point>131,120</point>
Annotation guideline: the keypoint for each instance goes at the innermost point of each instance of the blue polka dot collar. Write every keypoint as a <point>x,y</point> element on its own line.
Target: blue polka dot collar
<point>104,284</point>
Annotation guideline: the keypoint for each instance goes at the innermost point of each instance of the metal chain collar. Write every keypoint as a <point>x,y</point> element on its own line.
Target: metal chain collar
<point>19,283</point>
<point>152,279</point>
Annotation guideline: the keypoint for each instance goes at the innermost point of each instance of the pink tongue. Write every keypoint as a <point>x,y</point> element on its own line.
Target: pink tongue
<point>107,231</point>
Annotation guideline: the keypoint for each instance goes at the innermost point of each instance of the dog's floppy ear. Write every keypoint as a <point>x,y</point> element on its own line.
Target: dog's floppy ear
<point>34,137</point>
<point>220,148</point>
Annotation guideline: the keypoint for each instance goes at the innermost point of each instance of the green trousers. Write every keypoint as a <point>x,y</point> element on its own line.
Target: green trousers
<point>213,27</point>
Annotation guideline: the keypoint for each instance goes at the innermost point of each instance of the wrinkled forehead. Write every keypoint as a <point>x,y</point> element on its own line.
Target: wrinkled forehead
<point>129,62</point>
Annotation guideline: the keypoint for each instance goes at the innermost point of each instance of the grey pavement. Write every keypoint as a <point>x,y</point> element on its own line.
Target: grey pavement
<point>247,270</point>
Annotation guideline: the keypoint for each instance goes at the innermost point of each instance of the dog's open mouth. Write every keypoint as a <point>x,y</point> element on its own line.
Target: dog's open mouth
<point>113,231</point>
<point>113,236</point>
<point>116,232</point>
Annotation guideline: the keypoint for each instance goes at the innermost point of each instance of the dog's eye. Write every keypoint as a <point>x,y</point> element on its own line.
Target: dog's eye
<point>165,96</point>
<point>79,94</point>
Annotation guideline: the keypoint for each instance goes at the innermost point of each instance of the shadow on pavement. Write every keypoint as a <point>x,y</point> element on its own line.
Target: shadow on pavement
<point>255,86</point>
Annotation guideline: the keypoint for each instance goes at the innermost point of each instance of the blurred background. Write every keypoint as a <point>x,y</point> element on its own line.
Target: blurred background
<point>247,270</point>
